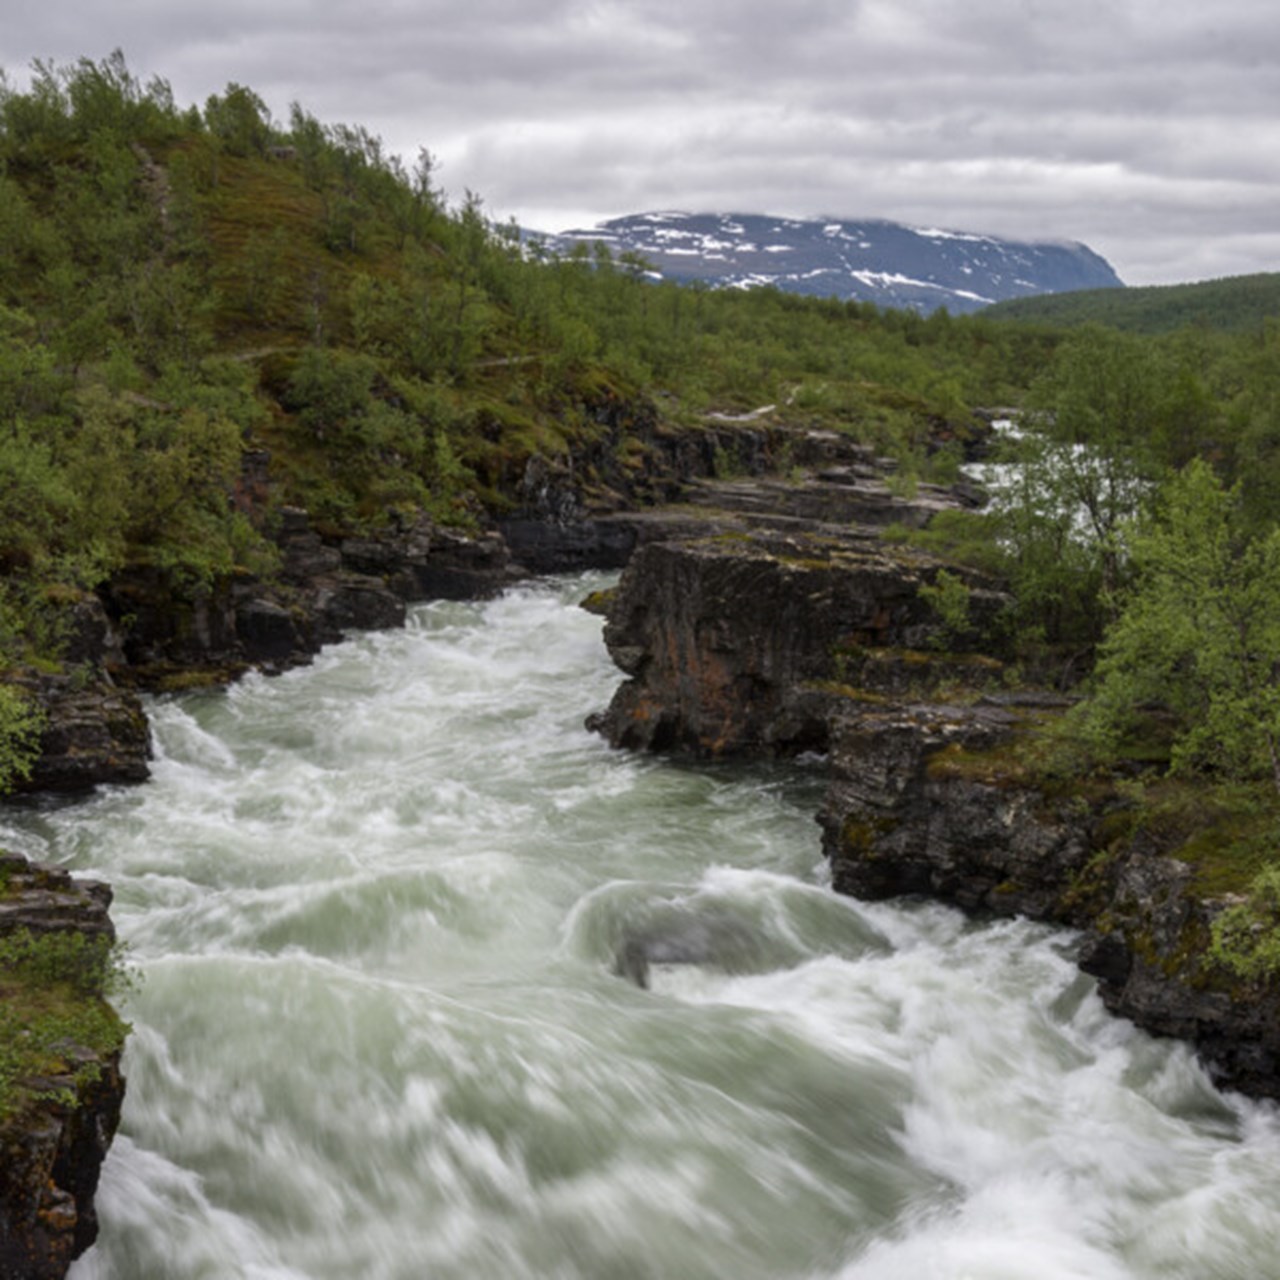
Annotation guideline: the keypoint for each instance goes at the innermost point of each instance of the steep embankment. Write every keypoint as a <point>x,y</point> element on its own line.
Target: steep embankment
<point>147,628</point>
<point>800,636</point>
<point>60,1084</point>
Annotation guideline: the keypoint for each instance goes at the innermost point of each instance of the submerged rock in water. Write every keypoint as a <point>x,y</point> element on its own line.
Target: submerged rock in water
<point>695,938</point>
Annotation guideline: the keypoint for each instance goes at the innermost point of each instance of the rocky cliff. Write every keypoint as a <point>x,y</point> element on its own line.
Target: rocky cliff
<point>762,630</point>
<point>942,800</point>
<point>743,641</point>
<point>60,1084</point>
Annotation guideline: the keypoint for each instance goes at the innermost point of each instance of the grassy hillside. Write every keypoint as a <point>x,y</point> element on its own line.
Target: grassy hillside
<point>1238,304</point>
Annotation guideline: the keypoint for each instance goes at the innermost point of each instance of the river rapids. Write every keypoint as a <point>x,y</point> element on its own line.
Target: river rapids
<point>383,911</point>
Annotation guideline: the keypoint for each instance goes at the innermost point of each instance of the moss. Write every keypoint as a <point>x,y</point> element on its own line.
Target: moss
<point>53,1006</point>
<point>1227,833</point>
<point>1005,767</point>
<point>1090,887</point>
<point>805,563</point>
<point>859,837</point>
<point>842,689</point>
<point>599,602</point>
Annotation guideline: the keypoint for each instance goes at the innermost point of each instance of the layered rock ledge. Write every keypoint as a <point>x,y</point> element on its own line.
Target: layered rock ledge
<point>938,800</point>
<point>745,642</point>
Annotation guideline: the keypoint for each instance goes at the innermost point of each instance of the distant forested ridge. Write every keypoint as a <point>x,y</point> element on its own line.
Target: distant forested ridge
<point>1236,304</point>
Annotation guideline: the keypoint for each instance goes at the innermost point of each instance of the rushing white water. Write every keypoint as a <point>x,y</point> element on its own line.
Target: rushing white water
<point>377,904</point>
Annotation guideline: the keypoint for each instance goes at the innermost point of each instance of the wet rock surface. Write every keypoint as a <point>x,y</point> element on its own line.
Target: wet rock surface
<point>932,800</point>
<point>743,642</point>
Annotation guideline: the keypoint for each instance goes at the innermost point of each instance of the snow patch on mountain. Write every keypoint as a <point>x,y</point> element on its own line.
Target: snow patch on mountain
<point>888,263</point>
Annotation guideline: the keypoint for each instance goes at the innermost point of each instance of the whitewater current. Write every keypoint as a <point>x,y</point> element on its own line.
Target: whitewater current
<point>376,906</point>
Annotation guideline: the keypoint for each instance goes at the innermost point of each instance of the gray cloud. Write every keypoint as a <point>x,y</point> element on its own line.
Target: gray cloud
<point>1146,128</point>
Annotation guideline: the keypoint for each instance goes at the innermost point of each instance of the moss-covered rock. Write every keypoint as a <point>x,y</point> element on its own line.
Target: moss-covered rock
<point>60,1084</point>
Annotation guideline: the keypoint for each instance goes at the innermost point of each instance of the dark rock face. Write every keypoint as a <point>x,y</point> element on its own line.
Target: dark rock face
<point>593,509</point>
<point>929,800</point>
<point>51,1150</point>
<point>897,820</point>
<point>44,899</point>
<point>573,513</point>
<point>94,731</point>
<point>52,1161</point>
<point>323,590</point>
<point>733,642</point>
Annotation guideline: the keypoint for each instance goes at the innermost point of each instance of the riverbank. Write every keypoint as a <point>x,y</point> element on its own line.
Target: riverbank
<point>61,1089</point>
<point>821,639</point>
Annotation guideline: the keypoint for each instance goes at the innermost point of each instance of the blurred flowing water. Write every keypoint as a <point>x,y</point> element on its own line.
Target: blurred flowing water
<point>377,905</point>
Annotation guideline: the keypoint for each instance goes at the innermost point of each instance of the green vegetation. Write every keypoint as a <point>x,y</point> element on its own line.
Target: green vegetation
<point>20,725</point>
<point>1199,633</point>
<point>949,597</point>
<point>1246,936</point>
<point>53,990</point>
<point>1237,304</point>
<point>180,285</point>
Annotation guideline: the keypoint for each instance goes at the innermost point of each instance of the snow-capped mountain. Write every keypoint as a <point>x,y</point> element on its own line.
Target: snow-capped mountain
<point>886,263</point>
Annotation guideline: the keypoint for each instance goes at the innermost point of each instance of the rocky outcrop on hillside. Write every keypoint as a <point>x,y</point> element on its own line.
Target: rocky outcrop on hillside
<point>171,634</point>
<point>53,1142</point>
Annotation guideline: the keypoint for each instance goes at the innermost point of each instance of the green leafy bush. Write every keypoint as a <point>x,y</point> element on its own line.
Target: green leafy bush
<point>1246,937</point>
<point>20,724</point>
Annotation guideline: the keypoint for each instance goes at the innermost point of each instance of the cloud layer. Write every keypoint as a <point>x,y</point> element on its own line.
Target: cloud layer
<point>1147,128</point>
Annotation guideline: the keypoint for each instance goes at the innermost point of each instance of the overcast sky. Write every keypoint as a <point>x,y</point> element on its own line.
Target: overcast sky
<point>1149,129</point>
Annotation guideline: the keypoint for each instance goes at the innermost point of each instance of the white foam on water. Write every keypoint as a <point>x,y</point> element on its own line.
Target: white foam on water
<point>378,903</point>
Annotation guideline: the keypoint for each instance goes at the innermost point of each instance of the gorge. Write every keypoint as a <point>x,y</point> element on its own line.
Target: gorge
<point>459,957</point>
<point>386,905</point>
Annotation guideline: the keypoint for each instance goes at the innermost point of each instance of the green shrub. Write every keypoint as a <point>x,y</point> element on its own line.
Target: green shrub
<point>53,988</point>
<point>21,721</point>
<point>1246,937</point>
